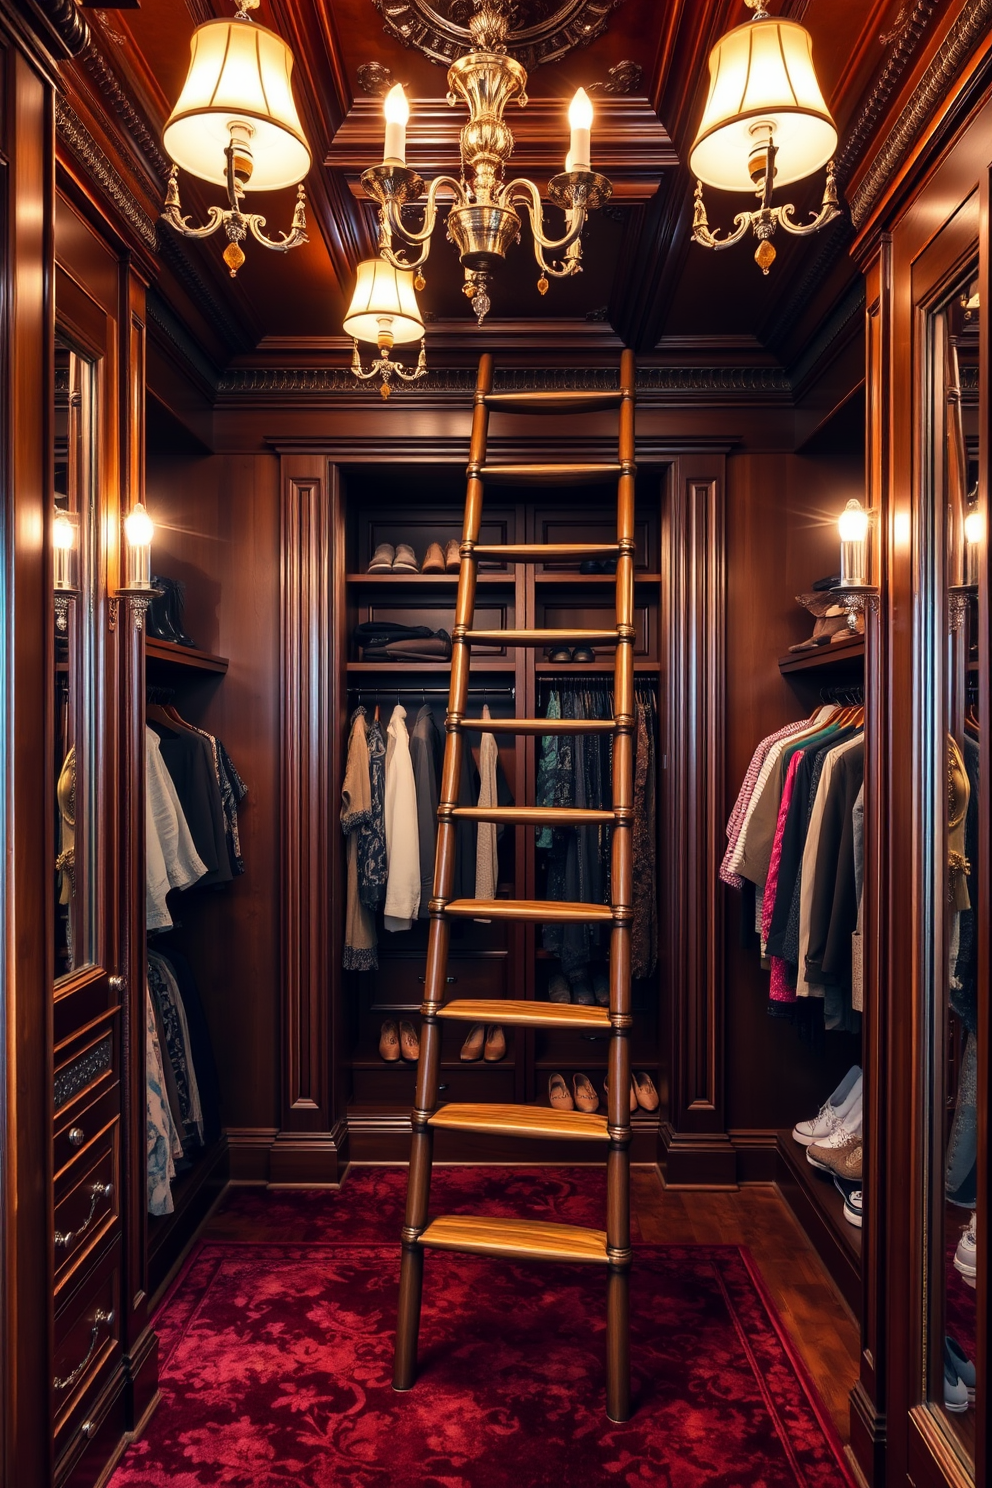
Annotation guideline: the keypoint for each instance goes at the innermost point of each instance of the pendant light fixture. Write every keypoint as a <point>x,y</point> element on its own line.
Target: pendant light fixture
<point>384,311</point>
<point>765,124</point>
<point>236,123</point>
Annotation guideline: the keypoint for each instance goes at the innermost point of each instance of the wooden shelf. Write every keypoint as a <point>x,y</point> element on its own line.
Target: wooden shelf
<point>449,580</point>
<point>572,669</point>
<point>188,658</point>
<point>824,657</point>
<point>194,1192</point>
<point>391,669</point>
<point>550,577</point>
<point>818,1206</point>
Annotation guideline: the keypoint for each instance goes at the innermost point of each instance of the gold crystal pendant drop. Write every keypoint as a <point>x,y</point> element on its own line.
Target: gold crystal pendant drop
<point>233,257</point>
<point>419,283</point>
<point>764,256</point>
<point>542,285</point>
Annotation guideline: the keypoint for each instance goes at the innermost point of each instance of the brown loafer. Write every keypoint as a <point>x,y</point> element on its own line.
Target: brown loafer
<point>475,1042</point>
<point>409,1042</point>
<point>452,556</point>
<point>586,1098</point>
<point>382,558</point>
<point>558,1094</point>
<point>647,1095</point>
<point>433,559</point>
<point>389,1042</point>
<point>495,1043</point>
<point>405,560</point>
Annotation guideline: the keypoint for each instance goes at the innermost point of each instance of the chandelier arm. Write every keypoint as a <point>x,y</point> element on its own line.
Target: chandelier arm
<point>356,366</point>
<point>535,210</point>
<point>826,214</point>
<point>296,235</point>
<point>394,220</point>
<point>172,213</point>
<point>702,234</point>
<point>420,370</point>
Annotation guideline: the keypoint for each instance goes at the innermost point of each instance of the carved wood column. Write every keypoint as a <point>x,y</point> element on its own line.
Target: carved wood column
<point>696,1150</point>
<point>309,1145</point>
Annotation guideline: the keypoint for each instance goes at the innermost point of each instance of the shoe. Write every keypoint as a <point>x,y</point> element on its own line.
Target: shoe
<point>495,1044</point>
<point>962,1366</point>
<point>633,1094</point>
<point>583,653</point>
<point>558,989</point>
<point>647,1095</point>
<point>409,1041</point>
<point>389,1042</point>
<point>175,599</point>
<point>405,560</point>
<point>601,988</point>
<point>955,1389</point>
<point>475,1042</point>
<point>452,556</point>
<point>841,1153</point>
<point>558,1094</point>
<point>966,1255</point>
<point>382,558</point>
<point>559,654</point>
<point>433,559</point>
<point>586,1098</point>
<point>582,993</point>
<point>830,1113</point>
<point>852,1208</point>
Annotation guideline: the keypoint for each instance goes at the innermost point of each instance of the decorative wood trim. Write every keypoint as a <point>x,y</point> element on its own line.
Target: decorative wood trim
<point>307,798</point>
<point>560,27</point>
<point>705,380</point>
<point>695,1139</point>
<point>74,134</point>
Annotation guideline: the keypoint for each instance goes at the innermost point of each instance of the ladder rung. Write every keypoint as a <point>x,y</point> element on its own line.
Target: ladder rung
<point>517,1239</point>
<point>541,552</point>
<point>525,1014</point>
<point>536,816</point>
<point>553,402</point>
<point>550,475</point>
<point>522,1121</point>
<point>529,909</point>
<point>540,725</point>
<point>544,637</point>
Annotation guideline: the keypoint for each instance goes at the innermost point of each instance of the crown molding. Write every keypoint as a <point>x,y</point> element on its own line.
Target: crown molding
<point>570,24</point>
<point>76,137</point>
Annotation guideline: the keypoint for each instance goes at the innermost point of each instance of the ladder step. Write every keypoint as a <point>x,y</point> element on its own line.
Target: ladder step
<point>522,1121</point>
<point>536,816</point>
<point>516,1239</point>
<point>550,475</point>
<point>529,909</point>
<point>541,552</point>
<point>540,725</point>
<point>553,402</point>
<point>525,1014</point>
<point>544,637</point>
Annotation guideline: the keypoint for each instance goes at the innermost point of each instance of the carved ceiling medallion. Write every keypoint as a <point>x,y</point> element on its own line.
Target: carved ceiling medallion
<point>540,30</point>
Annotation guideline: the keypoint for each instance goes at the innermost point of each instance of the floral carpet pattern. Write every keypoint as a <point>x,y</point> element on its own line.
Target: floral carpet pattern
<point>276,1359</point>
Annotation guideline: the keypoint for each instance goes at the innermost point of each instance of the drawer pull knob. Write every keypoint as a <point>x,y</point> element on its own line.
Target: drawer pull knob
<point>64,1238</point>
<point>76,1136</point>
<point>101,1318</point>
<point>449,980</point>
<point>117,984</point>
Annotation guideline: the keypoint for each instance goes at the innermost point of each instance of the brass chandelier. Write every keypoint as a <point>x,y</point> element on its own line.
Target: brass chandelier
<point>485,216</point>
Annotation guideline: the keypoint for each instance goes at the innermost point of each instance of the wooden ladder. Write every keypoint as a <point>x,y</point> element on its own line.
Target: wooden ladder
<point>525,1238</point>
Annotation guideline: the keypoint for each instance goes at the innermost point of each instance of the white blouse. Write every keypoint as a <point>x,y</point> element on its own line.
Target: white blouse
<point>402,830</point>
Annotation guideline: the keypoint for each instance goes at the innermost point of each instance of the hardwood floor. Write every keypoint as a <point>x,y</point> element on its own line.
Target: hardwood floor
<point>819,1321</point>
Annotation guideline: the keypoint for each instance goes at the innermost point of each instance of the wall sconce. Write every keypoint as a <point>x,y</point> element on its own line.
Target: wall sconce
<point>974,537</point>
<point>765,124</point>
<point>235,122</point>
<point>138,589</point>
<point>384,311</point>
<point>64,548</point>
<point>855,588</point>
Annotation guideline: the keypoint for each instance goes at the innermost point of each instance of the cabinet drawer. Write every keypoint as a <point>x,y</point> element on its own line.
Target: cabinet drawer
<point>398,985</point>
<point>86,1202</point>
<point>87,1341</point>
<point>84,1065</point>
<point>79,1128</point>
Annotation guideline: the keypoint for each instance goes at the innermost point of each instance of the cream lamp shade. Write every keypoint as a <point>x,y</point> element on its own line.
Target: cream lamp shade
<point>384,307</point>
<point>239,72</point>
<point>762,73</point>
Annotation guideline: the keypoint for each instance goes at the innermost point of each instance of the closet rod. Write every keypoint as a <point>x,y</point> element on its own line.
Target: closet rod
<point>388,692</point>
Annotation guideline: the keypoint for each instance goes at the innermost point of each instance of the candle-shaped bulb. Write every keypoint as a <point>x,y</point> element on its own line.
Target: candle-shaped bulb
<point>853,525</point>
<point>139,529</point>
<point>63,541</point>
<point>974,527</point>
<point>580,119</point>
<point>853,522</point>
<point>397,112</point>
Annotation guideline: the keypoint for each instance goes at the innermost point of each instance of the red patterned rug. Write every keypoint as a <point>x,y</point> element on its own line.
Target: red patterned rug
<point>276,1358</point>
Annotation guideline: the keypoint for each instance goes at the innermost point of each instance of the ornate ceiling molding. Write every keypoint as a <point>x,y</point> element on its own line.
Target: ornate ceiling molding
<point>705,381</point>
<point>540,30</point>
<point>936,84</point>
<point>112,92</point>
<point>74,134</point>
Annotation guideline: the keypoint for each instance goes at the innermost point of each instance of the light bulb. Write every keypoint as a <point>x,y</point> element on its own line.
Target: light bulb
<point>397,112</point>
<point>63,533</point>
<point>580,119</point>
<point>139,529</point>
<point>974,527</point>
<point>853,523</point>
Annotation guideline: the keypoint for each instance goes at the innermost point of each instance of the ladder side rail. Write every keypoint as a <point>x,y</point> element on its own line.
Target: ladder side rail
<point>428,1065</point>
<point>621,883</point>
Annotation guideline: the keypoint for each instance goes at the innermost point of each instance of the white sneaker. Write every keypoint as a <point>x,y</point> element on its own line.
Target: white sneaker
<point>852,1208</point>
<point>835,1110</point>
<point>966,1255</point>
